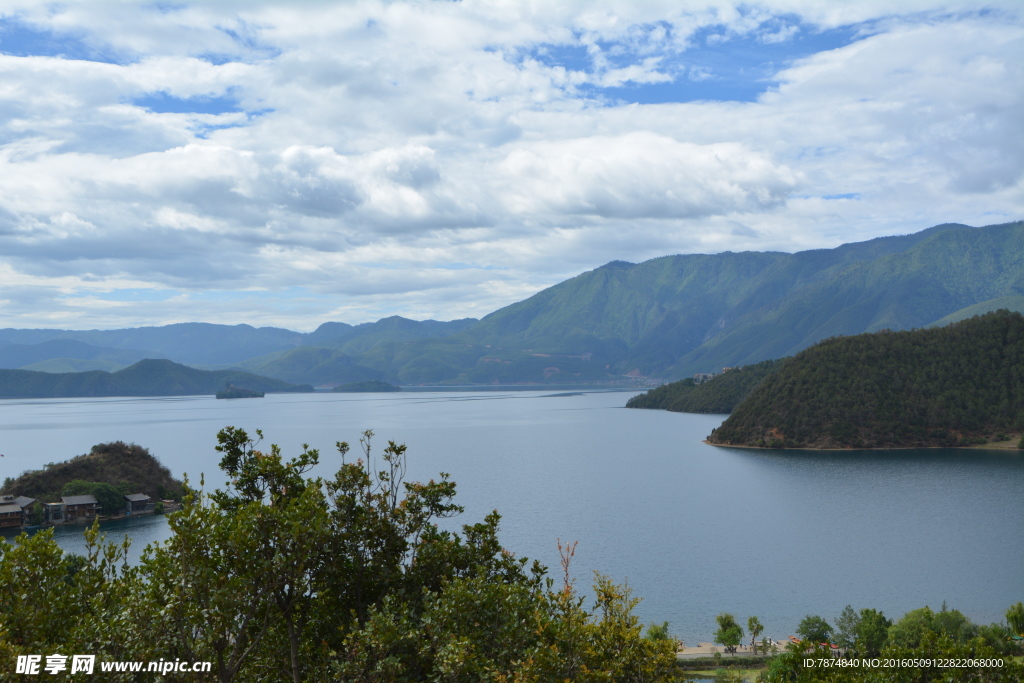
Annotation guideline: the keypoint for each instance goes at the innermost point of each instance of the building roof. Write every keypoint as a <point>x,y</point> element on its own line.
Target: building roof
<point>8,508</point>
<point>24,501</point>
<point>137,497</point>
<point>80,500</point>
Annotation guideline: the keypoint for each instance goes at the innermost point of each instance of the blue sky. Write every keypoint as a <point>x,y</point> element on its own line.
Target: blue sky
<point>291,163</point>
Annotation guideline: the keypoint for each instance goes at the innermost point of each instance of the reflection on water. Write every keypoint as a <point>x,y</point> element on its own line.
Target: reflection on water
<point>695,529</point>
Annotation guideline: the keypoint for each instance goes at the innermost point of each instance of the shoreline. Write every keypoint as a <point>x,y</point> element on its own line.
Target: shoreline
<point>1009,445</point>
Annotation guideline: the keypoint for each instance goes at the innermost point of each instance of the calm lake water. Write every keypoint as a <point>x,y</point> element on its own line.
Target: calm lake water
<point>696,529</point>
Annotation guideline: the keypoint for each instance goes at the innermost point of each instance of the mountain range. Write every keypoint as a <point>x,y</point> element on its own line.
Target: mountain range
<point>665,318</point>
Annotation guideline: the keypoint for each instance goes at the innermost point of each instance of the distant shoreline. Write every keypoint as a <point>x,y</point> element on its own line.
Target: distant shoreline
<point>1008,445</point>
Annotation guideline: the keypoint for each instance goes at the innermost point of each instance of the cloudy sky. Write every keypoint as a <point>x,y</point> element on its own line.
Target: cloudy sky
<point>283,163</point>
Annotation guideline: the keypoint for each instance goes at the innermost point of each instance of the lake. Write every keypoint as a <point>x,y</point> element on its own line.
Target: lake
<point>696,529</point>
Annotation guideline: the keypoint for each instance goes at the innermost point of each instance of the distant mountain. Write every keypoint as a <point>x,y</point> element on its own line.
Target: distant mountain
<point>677,315</point>
<point>192,343</point>
<point>215,347</point>
<point>20,355</point>
<point>669,317</point>
<point>313,365</point>
<point>146,378</point>
<point>951,386</point>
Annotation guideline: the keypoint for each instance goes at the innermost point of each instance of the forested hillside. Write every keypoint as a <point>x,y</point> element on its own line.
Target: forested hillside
<point>951,386</point>
<point>719,395</point>
<point>146,378</point>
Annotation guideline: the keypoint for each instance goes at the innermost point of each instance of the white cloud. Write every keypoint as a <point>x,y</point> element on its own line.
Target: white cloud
<point>444,159</point>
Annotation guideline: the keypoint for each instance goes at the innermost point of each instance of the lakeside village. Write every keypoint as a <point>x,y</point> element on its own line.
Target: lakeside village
<point>22,512</point>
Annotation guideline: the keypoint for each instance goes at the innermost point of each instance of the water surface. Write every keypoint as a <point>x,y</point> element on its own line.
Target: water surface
<point>696,529</point>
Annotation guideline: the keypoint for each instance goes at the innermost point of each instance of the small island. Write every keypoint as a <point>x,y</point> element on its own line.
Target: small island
<point>369,386</point>
<point>231,391</point>
<point>111,480</point>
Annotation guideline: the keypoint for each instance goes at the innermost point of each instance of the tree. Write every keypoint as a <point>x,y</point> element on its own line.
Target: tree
<point>1015,618</point>
<point>281,576</point>
<point>871,632</point>
<point>917,624</point>
<point>846,628</point>
<point>814,629</point>
<point>729,633</point>
<point>755,628</point>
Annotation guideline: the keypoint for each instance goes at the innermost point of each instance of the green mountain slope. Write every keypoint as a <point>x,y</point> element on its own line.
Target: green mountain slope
<point>1010,303</point>
<point>946,271</point>
<point>677,315</point>
<point>146,378</point>
<point>950,386</point>
<point>719,395</point>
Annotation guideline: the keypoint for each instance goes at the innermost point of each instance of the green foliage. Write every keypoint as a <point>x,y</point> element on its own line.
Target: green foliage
<point>729,632</point>
<point>281,576</point>
<point>659,632</point>
<point>919,664</point>
<point>911,630</point>
<point>846,628</point>
<point>719,395</point>
<point>754,628</point>
<point>1015,618</point>
<point>814,629</point>
<point>953,386</point>
<point>871,632</point>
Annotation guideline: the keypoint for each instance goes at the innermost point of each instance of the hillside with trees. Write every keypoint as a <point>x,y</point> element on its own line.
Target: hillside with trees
<point>108,467</point>
<point>720,394</point>
<point>953,386</point>
<point>148,377</point>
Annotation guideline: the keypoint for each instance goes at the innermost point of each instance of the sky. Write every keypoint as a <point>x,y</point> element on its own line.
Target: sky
<point>291,163</point>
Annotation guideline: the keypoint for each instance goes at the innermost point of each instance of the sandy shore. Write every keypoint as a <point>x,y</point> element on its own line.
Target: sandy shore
<point>709,649</point>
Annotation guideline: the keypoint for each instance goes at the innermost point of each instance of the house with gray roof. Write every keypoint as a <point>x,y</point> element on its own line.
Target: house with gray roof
<point>138,504</point>
<point>80,508</point>
<point>11,516</point>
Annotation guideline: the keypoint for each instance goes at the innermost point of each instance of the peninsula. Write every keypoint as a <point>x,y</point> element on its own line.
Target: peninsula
<point>955,386</point>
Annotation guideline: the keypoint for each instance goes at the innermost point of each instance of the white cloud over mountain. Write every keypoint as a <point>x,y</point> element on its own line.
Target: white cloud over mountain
<point>280,163</point>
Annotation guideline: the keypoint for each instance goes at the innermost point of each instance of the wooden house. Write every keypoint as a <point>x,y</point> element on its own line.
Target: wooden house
<point>11,515</point>
<point>138,504</point>
<point>80,508</point>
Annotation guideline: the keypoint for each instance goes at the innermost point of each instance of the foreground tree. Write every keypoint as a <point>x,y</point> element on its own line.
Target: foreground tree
<point>281,576</point>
